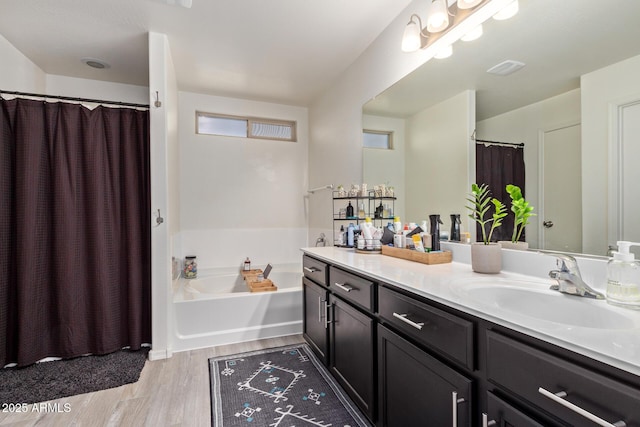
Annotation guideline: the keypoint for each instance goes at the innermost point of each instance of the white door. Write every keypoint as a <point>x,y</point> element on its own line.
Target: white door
<point>625,174</point>
<point>560,216</point>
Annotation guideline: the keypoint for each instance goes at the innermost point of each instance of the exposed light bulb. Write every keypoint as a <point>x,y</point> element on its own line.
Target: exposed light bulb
<point>411,39</point>
<point>468,4</point>
<point>508,11</point>
<point>438,18</point>
<point>474,34</point>
<point>444,52</point>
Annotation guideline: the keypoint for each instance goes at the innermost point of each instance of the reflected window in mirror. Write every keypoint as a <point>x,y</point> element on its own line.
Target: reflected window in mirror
<point>377,139</point>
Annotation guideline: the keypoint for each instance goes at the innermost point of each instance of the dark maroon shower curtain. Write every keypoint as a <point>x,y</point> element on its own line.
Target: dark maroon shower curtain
<point>75,234</point>
<point>497,166</point>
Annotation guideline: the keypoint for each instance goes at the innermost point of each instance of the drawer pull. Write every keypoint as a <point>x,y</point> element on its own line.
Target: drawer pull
<point>486,422</point>
<point>344,287</point>
<point>310,270</point>
<point>558,398</point>
<point>455,401</point>
<point>320,301</point>
<point>328,307</point>
<point>403,317</point>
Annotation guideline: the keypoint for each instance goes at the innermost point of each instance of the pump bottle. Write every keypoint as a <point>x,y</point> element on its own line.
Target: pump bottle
<point>623,277</point>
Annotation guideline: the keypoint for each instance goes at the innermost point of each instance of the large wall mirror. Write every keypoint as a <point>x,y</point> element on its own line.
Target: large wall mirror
<point>575,105</point>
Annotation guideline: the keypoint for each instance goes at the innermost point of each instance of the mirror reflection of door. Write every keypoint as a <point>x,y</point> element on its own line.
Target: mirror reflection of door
<point>561,215</point>
<point>629,129</point>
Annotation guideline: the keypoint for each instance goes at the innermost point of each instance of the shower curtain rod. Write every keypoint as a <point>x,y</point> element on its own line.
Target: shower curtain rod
<point>484,141</point>
<point>69,98</point>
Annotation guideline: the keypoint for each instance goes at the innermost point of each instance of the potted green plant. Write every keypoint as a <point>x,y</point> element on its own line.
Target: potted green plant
<point>486,257</point>
<point>522,211</point>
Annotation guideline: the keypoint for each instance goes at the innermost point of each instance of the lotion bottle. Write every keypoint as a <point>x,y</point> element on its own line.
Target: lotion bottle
<point>623,277</point>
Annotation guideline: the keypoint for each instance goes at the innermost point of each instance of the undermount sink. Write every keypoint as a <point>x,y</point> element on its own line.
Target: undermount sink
<point>537,301</point>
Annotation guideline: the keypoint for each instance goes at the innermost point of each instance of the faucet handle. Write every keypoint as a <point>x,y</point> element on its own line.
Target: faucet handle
<point>566,262</point>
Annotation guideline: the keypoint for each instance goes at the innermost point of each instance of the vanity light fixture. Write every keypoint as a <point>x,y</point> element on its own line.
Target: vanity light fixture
<point>510,10</point>
<point>439,24</point>
<point>474,34</point>
<point>445,52</point>
<point>438,18</point>
<point>468,4</point>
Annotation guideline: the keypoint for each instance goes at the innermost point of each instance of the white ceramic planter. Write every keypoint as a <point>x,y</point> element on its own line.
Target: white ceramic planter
<point>486,258</point>
<point>521,246</point>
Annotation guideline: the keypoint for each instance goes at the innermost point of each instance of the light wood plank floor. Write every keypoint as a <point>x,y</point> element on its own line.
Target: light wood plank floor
<point>170,392</point>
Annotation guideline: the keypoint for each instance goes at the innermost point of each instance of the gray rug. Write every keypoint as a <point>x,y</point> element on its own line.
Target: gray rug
<point>45,381</point>
<point>286,386</point>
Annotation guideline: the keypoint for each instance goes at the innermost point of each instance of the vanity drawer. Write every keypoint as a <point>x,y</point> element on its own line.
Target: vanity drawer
<point>351,287</point>
<point>432,327</point>
<point>558,386</point>
<point>315,270</point>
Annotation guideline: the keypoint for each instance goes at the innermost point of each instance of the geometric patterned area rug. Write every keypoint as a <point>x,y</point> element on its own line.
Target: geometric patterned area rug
<point>278,387</point>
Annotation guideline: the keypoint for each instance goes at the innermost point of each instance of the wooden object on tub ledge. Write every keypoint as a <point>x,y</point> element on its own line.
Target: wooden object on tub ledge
<point>251,279</point>
<point>413,255</point>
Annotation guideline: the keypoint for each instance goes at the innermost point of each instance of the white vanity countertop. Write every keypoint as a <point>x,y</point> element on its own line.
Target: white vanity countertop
<point>445,283</point>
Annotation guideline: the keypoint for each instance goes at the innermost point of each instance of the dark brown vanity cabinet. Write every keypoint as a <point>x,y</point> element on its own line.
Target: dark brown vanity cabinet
<point>501,413</point>
<point>315,326</point>
<point>416,389</point>
<point>352,353</point>
<point>409,361</point>
<point>560,389</point>
<point>339,327</point>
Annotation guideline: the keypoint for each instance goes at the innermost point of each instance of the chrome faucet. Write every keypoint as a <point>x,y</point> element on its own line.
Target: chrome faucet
<point>569,278</point>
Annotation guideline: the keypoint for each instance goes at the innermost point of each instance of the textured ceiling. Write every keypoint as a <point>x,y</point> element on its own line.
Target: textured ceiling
<point>284,51</point>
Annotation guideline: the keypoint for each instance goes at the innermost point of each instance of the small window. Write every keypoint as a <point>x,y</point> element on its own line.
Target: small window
<point>377,139</point>
<point>245,127</point>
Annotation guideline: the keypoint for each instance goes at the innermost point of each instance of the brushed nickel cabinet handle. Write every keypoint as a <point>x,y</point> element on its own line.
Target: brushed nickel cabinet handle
<point>344,287</point>
<point>403,317</point>
<point>310,270</point>
<point>486,422</point>
<point>455,401</point>
<point>559,398</point>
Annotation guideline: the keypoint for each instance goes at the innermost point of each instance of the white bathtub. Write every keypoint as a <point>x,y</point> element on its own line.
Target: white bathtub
<point>217,308</point>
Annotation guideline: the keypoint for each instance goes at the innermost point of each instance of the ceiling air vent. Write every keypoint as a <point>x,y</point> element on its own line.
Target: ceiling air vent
<point>505,68</point>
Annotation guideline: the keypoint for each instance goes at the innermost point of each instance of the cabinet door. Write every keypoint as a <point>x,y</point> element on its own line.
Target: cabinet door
<point>417,390</point>
<point>352,352</point>
<point>315,329</point>
<point>500,413</point>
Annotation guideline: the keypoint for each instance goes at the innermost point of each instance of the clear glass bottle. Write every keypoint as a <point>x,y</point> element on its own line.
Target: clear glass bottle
<point>190,269</point>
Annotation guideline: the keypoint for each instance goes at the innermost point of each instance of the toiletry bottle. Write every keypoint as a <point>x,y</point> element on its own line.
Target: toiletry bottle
<point>455,227</point>
<point>349,210</point>
<point>435,232</point>
<point>361,210</point>
<point>397,225</point>
<point>350,235</point>
<point>623,277</point>
<point>190,270</point>
<point>247,264</point>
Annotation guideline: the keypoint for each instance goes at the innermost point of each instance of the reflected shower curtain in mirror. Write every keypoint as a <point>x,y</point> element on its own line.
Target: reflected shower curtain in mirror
<point>497,166</point>
<point>74,230</point>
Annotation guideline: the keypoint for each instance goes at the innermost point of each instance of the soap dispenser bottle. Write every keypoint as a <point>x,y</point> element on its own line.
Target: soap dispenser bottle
<point>623,277</point>
<point>435,232</point>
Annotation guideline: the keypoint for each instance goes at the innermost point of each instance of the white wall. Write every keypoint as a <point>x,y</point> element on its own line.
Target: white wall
<point>437,160</point>
<point>381,166</point>
<point>335,149</point>
<point>241,197</point>
<point>600,89</point>
<point>96,89</point>
<point>163,138</point>
<point>17,72</point>
<point>524,125</point>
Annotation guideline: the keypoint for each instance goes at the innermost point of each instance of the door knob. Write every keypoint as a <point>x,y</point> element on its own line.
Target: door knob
<point>547,224</point>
